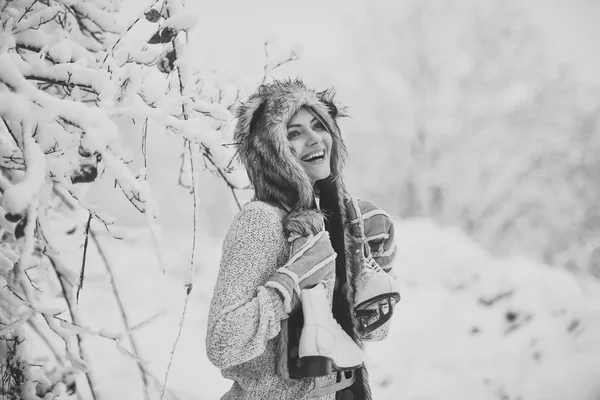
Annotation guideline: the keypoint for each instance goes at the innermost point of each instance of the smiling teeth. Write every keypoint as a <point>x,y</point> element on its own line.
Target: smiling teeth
<point>311,156</point>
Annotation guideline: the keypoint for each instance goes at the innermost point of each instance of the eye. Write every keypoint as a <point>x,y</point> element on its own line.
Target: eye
<point>319,126</point>
<point>293,134</point>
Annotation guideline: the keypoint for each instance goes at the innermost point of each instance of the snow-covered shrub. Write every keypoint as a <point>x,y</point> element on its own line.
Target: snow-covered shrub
<point>70,73</point>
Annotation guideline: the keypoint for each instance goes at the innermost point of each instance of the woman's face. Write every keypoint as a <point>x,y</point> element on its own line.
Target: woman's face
<point>311,144</point>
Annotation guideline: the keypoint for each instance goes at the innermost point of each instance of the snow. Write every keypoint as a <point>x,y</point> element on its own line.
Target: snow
<point>448,343</point>
<point>19,196</point>
<point>104,19</point>
<point>538,337</point>
<point>7,41</point>
<point>70,73</point>
<point>183,20</point>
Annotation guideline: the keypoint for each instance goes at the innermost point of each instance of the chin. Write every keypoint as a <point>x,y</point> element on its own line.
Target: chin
<point>320,175</point>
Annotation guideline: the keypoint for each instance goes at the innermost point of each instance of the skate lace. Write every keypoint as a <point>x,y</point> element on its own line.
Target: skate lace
<point>371,264</point>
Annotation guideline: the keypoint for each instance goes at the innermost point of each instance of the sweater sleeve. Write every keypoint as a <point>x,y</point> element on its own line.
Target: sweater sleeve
<point>244,314</point>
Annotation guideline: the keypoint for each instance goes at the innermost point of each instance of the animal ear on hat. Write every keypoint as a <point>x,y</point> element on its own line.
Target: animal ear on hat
<point>327,98</point>
<point>257,115</point>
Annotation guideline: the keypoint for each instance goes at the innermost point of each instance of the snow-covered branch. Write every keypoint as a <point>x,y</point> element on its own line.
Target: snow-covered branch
<point>70,75</point>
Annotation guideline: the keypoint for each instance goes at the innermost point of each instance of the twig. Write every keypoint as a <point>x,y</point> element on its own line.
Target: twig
<point>132,198</point>
<point>208,156</point>
<point>124,317</point>
<point>83,86</point>
<point>57,190</point>
<point>112,49</point>
<point>27,10</point>
<point>72,314</point>
<point>189,286</point>
<point>42,22</point>
<point>85,246</point>
<point>45,339</point>
<point>82,27</point>
<point>492,300</point>
<point>37,49</point>
<point>145,322</point>
<point>158,385</point>
<point>266,66</point>
<point>10,131</point>
<point>235,198</point>
<point>144,148</point>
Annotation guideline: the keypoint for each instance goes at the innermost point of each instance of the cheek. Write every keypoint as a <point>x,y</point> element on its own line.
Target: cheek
<point>328,141</point>
<point>296,148</point>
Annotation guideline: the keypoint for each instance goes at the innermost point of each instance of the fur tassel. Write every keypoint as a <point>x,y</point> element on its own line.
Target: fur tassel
<point>282,352</point>
<point>366,386</point>
<point>303,223</point>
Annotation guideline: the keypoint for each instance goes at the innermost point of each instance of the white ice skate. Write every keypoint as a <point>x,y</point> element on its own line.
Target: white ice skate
<point>324,346</point>
<point>375,296</point>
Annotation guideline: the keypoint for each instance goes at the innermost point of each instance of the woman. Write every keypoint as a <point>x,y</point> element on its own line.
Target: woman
<point>279,253</point>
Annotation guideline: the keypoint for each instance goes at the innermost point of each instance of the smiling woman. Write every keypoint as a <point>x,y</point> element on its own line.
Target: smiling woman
<point>301,260</point>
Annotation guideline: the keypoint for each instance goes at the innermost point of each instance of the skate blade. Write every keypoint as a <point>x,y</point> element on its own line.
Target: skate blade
<point>315,366</point>
<point>393,297</point>
<point>370,318</point>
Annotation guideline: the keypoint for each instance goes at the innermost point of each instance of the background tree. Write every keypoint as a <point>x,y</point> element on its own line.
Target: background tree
<point>491,134</point>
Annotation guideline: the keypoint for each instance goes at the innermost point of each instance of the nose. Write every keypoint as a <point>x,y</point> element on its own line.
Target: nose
<point>313,137</point>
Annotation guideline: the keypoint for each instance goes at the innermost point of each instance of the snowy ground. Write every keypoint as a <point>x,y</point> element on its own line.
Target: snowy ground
<point>469,326</point>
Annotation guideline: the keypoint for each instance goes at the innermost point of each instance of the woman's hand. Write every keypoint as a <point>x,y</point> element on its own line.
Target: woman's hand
<point>312,258</point>
<point>374,227</point>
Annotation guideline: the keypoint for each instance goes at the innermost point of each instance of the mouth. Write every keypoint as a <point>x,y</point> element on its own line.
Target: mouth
<point>315,156</point>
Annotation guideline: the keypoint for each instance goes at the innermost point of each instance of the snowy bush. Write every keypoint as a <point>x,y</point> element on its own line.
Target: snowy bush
<point>71,74</point>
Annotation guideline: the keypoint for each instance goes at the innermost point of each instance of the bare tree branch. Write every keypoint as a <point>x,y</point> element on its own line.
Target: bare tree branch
<point>27,10</point>
<point>72,314</point>
<point>84,258</point>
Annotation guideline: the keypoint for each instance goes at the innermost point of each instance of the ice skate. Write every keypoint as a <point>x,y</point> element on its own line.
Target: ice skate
<point>376,290</point>
<point>375,296</point>
<point>324,346</point>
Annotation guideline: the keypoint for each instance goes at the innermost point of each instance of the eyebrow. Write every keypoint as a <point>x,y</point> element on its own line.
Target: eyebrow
<point>300,126</point>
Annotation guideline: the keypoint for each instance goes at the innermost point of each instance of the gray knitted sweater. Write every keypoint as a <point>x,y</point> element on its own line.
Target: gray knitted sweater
<point>245,316</point>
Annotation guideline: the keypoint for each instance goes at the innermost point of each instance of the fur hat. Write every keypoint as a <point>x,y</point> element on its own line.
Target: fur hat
<point>261,134</point>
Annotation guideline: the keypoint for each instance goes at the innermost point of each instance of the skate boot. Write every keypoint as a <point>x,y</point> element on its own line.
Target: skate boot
<point>376,292</point>
<point>375,296</point>
<point>324,346</point>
